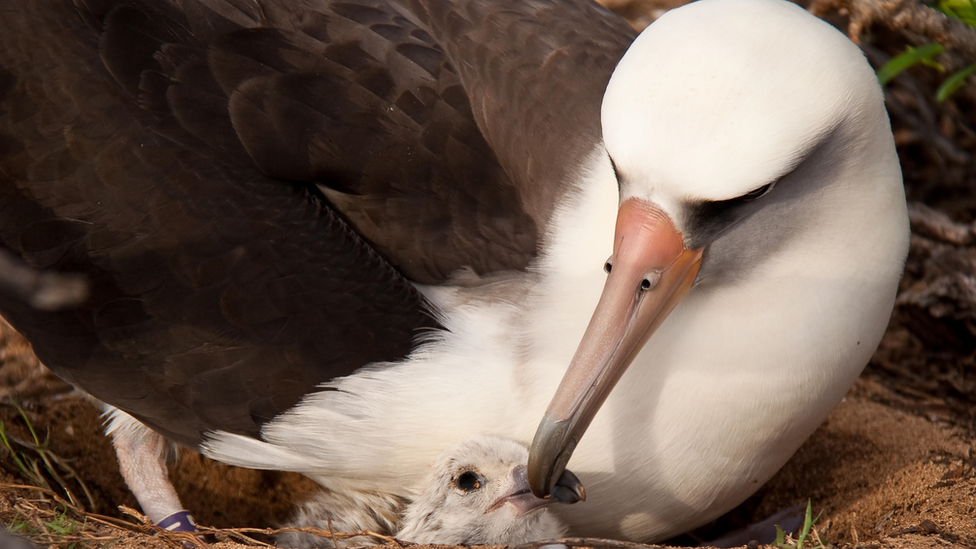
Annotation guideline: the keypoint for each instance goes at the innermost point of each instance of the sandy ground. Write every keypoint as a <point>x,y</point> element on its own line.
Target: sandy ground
<point>893,465</point>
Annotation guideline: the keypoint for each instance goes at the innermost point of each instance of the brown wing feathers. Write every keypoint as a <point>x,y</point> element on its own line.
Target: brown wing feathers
<point>202,162</point>
<point>219,296</point>
<point>381,110</point>
<point>535,76</point>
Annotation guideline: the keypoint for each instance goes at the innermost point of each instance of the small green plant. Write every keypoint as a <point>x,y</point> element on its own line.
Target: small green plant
<point>782,541</point>
<point>57,527</point>
<point>36,462</point>
<point>963,10</point>
<point>21,526</point>
<point>911,57</point>
<point>63,526</point>
<point>953,83</point>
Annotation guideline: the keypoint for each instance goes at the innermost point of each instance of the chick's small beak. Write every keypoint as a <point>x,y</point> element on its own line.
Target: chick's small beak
<point>568,489</point>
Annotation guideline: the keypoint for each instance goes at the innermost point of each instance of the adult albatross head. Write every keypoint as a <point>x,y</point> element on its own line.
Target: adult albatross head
<point>754,156</point>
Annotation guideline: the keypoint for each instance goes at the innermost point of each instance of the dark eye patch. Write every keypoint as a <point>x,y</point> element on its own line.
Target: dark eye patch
<point>706,220</point>
<point>616,172</point>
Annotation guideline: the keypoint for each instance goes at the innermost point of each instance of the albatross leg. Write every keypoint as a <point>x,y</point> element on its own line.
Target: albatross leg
<point>142,455</point>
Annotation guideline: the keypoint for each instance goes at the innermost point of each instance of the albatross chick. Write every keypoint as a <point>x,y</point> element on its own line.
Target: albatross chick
<point>475,494</point>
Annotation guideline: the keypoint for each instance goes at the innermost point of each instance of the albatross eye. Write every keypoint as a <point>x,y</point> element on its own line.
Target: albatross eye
<point>758,193</point>
<point>468,481</point>
<point>608,266</point>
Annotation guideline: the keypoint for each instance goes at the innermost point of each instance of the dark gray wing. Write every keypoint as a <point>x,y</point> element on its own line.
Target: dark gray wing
<point>349,95</point>
<point>219,296</point>
<point>173,153</point>
<point>535,72</point>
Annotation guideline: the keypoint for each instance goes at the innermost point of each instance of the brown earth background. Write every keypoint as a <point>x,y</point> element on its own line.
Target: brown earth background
<point>893,466</point>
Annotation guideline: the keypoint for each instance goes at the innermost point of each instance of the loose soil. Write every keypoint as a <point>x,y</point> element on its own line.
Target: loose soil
<point>893,466</point>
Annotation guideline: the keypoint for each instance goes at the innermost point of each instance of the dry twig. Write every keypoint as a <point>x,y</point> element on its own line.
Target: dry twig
<point>595,543</point>
<point>142,525</point>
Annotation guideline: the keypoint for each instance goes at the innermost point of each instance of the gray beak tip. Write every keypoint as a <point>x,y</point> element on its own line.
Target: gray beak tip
<point>568,489</point>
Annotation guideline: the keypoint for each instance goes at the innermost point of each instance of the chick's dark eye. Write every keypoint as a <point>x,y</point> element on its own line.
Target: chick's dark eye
<point>468,481</point>
<point>758,193</point>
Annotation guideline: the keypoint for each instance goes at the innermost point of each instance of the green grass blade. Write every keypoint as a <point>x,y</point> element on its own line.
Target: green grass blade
<point>946,9</point>
<point>20,526</point>
<point>72,474</point>
<point>780,540</point>
<point>911,57</point>
<point>807,526</point>
<point>953,83</point>
<point>57,528</point>
<point>14,454</point>
<point>963,10</point>
<point>30,427</point>
<point>33,468</point>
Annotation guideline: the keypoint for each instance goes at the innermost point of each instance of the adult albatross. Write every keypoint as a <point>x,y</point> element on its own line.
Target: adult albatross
<point>336,237</point>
